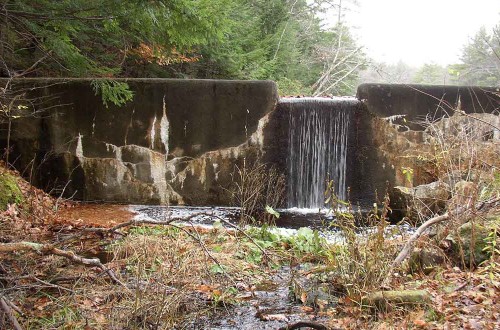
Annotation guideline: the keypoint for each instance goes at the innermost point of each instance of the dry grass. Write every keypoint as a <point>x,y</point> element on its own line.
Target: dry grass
<point>171,277</point>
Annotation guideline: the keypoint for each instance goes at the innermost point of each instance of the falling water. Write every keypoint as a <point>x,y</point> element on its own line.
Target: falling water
<point>318,130</point>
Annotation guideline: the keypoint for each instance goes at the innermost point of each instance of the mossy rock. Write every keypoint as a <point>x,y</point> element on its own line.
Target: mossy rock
<point>313,292</point>
<point>425,260</point>
<point>383,300</point>
<point>470,239</point>
<point>9,191</point>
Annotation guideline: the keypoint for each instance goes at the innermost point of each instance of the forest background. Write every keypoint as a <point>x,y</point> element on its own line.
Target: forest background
<point>292,42</point>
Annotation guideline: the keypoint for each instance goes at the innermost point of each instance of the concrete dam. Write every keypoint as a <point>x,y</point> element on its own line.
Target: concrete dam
<point>179,141</point>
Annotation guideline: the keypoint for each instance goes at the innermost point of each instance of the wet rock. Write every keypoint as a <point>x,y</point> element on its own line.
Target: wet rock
<point>438,191</point>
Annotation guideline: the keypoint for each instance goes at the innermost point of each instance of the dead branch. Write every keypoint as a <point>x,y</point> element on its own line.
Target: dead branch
<point>244,234</point>
<point>199,240</point>
<point>14,307</point>
<point>408,247</point>
<point>48,249</point>
<point>170,222</point>
<point>32,67</point>
<point>51,285</point>
<point>136,222</point>
<point>4,306</point>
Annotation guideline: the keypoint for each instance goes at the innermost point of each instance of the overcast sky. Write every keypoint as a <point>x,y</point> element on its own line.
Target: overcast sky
<point>420,31</point>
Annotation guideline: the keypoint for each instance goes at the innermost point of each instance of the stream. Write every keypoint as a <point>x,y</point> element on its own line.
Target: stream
<point>289,218</point>
<point>269,305</point>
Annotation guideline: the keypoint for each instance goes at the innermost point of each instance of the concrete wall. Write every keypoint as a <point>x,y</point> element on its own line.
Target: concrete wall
<point>394,127</point>
<point>176,142</point>
<point>416,102</point>
<point>179,140</point>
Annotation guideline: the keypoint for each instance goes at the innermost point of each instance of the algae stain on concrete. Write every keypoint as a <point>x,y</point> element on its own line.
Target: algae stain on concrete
<point>143,173</point>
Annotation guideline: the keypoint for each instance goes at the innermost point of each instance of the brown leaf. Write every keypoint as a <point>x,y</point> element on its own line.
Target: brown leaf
<point>307,309</point>
<point>303,297</point>
<point>420,323</point>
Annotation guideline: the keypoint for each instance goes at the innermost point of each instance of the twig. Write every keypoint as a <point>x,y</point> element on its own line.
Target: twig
<point>204,247</point>
<point>8,311</point>
<point>14,307</point>
<point>31,68</point>
<point>169,222</point>
<point>51,285</point>
<point>460,287</point>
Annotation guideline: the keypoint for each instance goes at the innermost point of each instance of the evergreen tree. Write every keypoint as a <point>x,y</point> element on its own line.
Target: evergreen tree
<point>480,60</point>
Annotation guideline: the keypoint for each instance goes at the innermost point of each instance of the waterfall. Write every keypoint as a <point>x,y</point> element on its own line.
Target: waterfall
<point>318,134</point>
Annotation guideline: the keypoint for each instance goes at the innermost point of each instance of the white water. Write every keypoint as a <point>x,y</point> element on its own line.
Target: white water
<point>318,140</point>
<point>206,216</point>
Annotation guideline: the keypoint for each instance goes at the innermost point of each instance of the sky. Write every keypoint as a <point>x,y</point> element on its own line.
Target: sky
<point>419,31</point>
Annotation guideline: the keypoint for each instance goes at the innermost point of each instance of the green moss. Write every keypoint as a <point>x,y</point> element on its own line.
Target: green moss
<point>9,191</point>
<point>469,239</point>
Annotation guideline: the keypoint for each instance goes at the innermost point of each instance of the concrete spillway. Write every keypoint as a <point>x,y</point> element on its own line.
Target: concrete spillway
<point>317,148</point>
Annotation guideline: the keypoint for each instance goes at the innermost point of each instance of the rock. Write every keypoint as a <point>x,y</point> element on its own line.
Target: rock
<point>478,126</point>
<point>313,292</point>
<point>469,241</point>
<point>9,191</point>
<point>385,299</point>
<point>464,193</point>
<point>423,200</point>
<point>435,191</point>
<point>425,260</point>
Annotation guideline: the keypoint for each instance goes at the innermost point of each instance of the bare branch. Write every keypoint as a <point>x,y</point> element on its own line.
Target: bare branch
<point>408,247</point>
<point>70,255</point>
<point>4,306</point>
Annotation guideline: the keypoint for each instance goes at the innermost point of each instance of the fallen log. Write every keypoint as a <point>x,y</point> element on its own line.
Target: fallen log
<point>384,299</point>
